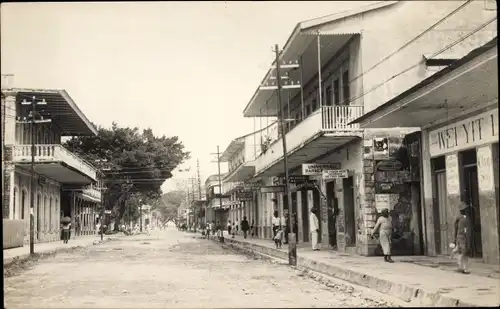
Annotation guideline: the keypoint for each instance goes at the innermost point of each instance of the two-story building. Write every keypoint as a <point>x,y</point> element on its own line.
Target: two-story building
<point>64,181</point>
<point>457,111</point>
<point>241,155</point>
<point>217,199</point>
<point>348,64</point>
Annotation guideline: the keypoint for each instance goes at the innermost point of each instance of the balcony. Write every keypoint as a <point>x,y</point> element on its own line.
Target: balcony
<point>56,162</point>
<point>92,194</point>
<point>324,130</point>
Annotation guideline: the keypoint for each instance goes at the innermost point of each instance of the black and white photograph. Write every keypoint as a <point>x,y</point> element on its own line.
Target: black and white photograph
<point>250,154</point>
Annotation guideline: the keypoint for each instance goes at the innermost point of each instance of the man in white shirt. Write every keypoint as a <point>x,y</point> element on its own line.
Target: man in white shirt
<point>276,223</point>
<point>314,228</point>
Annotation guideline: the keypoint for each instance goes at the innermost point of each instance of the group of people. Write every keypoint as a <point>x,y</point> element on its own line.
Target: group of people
<point>215,228</point>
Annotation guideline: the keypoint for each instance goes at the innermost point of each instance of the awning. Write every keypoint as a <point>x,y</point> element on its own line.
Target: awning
<point>242,173</point>
<point>231,150</point>
<point>468,85</point>
<point>303,48</point>
<point>60,108</point>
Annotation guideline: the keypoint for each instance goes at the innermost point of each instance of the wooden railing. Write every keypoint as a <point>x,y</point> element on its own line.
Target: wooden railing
<point>337,118</point>
<point>56,153</point>
<point>92,191</point>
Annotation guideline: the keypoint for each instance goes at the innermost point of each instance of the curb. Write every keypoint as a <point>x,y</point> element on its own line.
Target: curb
<point>406,293</point>
<point>26,256</point>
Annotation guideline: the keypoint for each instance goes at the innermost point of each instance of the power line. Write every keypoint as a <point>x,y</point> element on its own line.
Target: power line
<point>420,61</point>
<point>413,39</point>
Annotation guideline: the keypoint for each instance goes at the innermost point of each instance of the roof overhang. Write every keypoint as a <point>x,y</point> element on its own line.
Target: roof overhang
<point>468,85</point>
<point>316,147</point>
<point>235,145</point>
<point>242,173</point>
<point>60,108</point>
<point>301,47</point>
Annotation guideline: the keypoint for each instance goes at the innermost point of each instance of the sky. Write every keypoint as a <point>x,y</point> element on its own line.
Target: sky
<point>185,69</point>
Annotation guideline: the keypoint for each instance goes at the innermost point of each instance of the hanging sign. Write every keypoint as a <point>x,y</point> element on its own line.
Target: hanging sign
<point>335,174</point>
<point>272,189</point>
<point>297,179</point>
<point>244,195</point>
<point>312,169</point>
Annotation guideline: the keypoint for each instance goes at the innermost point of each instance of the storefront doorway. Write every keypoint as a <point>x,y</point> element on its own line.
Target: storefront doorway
<point>332,206</point>
<point>305,216</point>
<point>470,195</point>
<point>349,212</point>
<point>442,215</point>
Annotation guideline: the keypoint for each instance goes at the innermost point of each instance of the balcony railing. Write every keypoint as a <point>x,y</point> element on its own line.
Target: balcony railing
<point>55,153</point>
<point>93,192</point>
<point>337,118</point>
<point>328,119</point>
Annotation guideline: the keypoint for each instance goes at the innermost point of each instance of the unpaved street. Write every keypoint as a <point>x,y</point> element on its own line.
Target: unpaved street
<point>168,269</point>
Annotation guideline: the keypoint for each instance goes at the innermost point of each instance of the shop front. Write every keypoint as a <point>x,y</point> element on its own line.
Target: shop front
<point>456,110</point>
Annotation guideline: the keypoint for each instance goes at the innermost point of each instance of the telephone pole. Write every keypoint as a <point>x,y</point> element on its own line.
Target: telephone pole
<point>33,122</point>
<point>199,178</point>
<point>220,188</point>
<point>278,87</point>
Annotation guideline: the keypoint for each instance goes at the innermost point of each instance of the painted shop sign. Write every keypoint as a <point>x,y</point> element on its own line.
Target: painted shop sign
<point>474,131</point>
<point>385,201</point>
<point>485,168</point>
<point>389,165</point>
<point>452,176</point>
<point>272,189</point>
<point>311,169</point>
<point>335,174</point>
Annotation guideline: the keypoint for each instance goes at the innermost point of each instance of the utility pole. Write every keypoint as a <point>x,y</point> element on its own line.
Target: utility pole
<point>33,123</point>
<point>199,178</point>
<point>288,84</point>
<point>221,238</point>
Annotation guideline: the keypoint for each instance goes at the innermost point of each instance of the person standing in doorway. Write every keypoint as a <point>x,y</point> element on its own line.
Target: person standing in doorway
<point>314,228</point>
<point>463,237</point>
<point>383,228</point>
<point>66,229</point>
<point>245,227</point>
<point>276,222</point>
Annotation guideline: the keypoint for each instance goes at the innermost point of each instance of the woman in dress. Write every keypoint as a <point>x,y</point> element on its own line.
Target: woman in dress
<point>383,228</point>
<point>463,234</point>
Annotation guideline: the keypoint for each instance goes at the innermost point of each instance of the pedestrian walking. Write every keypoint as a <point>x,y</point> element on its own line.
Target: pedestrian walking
<point>233,230</point>
<point>236,227</point>
<point>66,225</point>
<point>276,223</point>
<point>314,228</point>
<point>463,236</point>
<point>78,229</point>
<point>229,227</point>
<point>383,229</point>
<point>245,227</point>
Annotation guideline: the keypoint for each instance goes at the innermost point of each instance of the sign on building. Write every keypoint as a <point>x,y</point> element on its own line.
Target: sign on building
<point>312,169</point>
<point>472,132</point>
<point>297,179</point>
<point>244,195</point>
<point>335,174</point>
<point>272,189</point>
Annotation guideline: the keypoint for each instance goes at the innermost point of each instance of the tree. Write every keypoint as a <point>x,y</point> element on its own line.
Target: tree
<point>136,165</point>
<point>168,204</point>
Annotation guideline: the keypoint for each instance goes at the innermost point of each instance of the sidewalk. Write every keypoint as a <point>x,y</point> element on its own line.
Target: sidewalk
<point>24,252</point>
<point>406,279</point>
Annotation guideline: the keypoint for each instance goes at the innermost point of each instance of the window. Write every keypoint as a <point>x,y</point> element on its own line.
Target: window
<point>314,105</point>
<point>336,92</point>
<point>329,96</point>
<point>345,87</point>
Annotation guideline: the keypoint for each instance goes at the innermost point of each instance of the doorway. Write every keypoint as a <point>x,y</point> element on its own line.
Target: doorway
<point>349,212</point>
<point>470,195</point>
<point>305,215</point>
<point>332,218</point>
<point>441,214</point>
<point>495,150</point>
<point>319,214</point>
